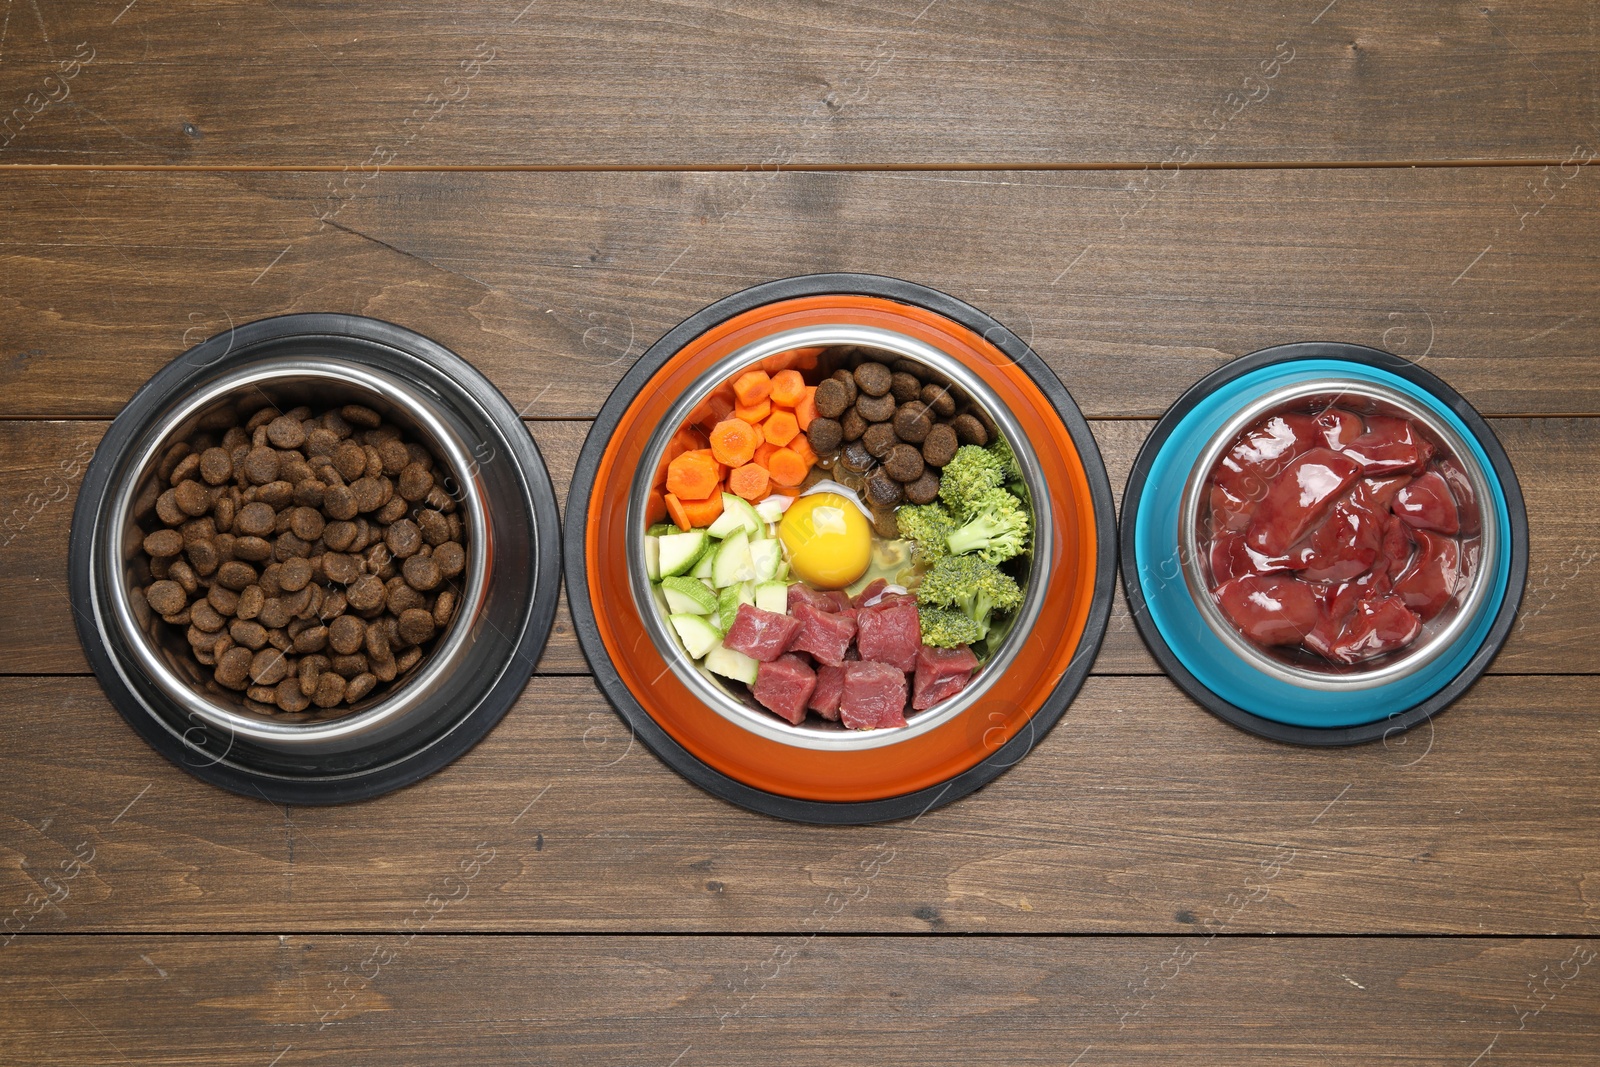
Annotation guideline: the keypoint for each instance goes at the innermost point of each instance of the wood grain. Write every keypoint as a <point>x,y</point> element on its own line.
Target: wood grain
<point>890,81</point>
<point>797,1001</point>
<point>1129,296</point>
<point>1138,813</point>
<point>1557,633</point>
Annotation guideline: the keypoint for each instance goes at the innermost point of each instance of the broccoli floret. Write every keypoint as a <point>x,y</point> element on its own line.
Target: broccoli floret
<point>997,528</point>
<point>971,472</point>
<point>1008,459</point>
<point>972,586</point>
<point>926,525</point>
<point>947,628</point>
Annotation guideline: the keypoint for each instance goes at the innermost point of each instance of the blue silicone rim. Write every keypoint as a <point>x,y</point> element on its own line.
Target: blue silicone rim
<point>1171,623</point>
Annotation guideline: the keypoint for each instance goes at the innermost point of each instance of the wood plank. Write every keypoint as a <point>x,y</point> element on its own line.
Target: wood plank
<point>1557,633</point>
<point>554,283</point>
<point>892,81</point>
<point>797,1000</point>
<point>1139,813</point>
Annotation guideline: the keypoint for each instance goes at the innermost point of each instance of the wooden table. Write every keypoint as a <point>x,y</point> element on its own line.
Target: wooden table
<point>1143,192</point>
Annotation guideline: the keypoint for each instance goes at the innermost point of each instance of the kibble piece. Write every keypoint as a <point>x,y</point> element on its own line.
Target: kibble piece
<point>444,607</point>
<point>255,519</point>
<point>873,379</point>
<point>164,543</point>
<point>384,670</point>
<point>359,686</point>
<point>294,471</point>
<point>306,523</point>
<point>215,466</point>
<point>852,425</point>
<point>939,447</point>
<point>398,596</point>
<point>912,421</point>
<point>379,641</point>
<point>309,669</point>
<point>905,387</point>
<point>345,634</point>
<point>883,521</point>
<point>339,503</point>
<point>188,468</point>
<point>366,592</point>
<point>233,668</point>
<point>184,575</point>
<point>224,600</point>
<point>925,490</point>
<point>969,431</point>
<point>394,510</point>
<point>275,613</point>
<point>333,605</point>
<point>339,535</point>
<point>421,572</point>
<point>825,435</point>
<point>296,574</point>
<point>277,494</point>
<point>269,667</point>
<point>364,536</point>
<point>450,558</point>
<point>165,597</point>
<point>407,659</point>
<point>856,458</point>
<point>250,600</point>
<point>359,415</point>
<point>330,690</point>
<point>203,557</point>
<point>248,633</point>
<point>208,618</point>
<point>169,461</point>
<point>416,626</point>
<point>285,432</point>
<point>349,666</point>
<point>261,465</point>
<point>904,463</point>
<point>882,491</point>
<point>314,639</point>
<point>879,438</point>
<point>321,442</point>
<point>832,398</point>
<point>350,460</point>
<point>848,380</point>
<point>403,538</point>
<point>876,408</point>
<point>414,482</point>
<point>200,640</point>
<point>236,575</point>
<point>182,618</point>
<point>260,417</point>
<point>288,546</point>
<point>193,498</point>
<point>396,457</point>
<point>938,398</point>
<point>308,493</point>
<point>368,494</point>
<point>167,509</point>
<point>289,697</point>
<point>434,526</point>
<point>374,460</point>
<point>253,549</point>
<point>224,508</point>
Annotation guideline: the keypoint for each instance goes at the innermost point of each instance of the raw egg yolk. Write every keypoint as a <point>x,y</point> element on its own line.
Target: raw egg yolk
<point>828,540</point>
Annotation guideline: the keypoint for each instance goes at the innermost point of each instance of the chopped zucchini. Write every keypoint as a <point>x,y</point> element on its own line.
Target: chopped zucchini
<point>679,552</point>
<point>730,664</point>
<point>698,636</point>
<point>733,563</point>
<point>773,596</point>
<point>652,557</point>
<point>686,595</point>
<point>765,556</point>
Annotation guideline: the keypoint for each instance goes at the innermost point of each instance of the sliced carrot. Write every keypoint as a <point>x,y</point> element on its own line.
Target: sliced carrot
<point>734,441</point>
<point>787,388</point>
<point>806,358</point>
<point>777,361</point>
<point>686,439</point>
<point>749,481</point>
<point>806,409</point>
<point>655,507</point>
<point>693,476</point>
<point>752,387</point>
<point>756,415</point>
<point>786,490</point>
<point>712,410</point>
<point>764,452</point>
<point>780,428</point>
<point>694,514</point>
<point>802,448</point>
<point>787,467</point>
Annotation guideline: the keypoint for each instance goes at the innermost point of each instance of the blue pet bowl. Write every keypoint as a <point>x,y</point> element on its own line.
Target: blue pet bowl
<point>1285,696</point>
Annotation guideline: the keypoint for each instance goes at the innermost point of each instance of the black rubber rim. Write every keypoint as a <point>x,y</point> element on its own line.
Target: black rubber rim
<point>1400,721</point>
<point>826,812</point>
<point>396,343</point>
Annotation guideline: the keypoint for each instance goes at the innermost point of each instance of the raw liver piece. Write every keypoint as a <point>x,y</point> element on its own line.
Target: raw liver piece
<point>873,696</point>
<point>1298,500</point>
<point>762,635</point>
<point>1229,513</point>
<point>1390,446</point>
<point>1249,467</point>
<point>1428,504</point>
<point>1344,546</point>
<point>941,674</point>
<point>1378,493</point>
<point>1231,557</point>
<point>1340,426</point>
<point>1433,577</point>
<point>1378,625</point>
<point>825,697</point>
<point>1270,610</point>
<point>890,633</point>
<point>824,634</point>
<point>784,687</point>
<point>1336,605</point>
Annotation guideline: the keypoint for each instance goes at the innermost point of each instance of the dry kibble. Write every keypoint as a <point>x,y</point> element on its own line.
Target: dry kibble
<point>434,526</point>
<point>444,607</point>
<point>256,519</point>
<point>852,425</point>
<point>969,431</point>
<point>450,558</point>
<point>215,466</point>
<point>329,691</point>
<point>339,503</point>
<point>346,634</point>
<point>208,618</point>
<point>349,666</point>
<point>359,415</point>
<point>169,461</point>
<point>396,457</point>
<point>307,523</point>
<point>873,379</point>
<point>339,535</point>
<point>879,438</point>
<point>398,596</point>
<point>407,659</point>
<point>193,498</point>
<point>261,465</point>
<point>904,463</point>
<point>203,557</point>
<point>167,509</point>
<point>379,640</point>
<point>876,408</point>
<point>925,490</point>
<point>286,432</point>
<point>269,667</point>
<point>248,633</point>
<point>856,458</point>
<point>414,481</point>
<point>276,494</point>
<point>188,467</point>
<point>905,386</point>
<point>366,593</point>
<point>912,421</point>
<point>938,398</point>
<point>374,461</point>
<point>165,597</point>
<point>233,668</point>
<point>236,575</point>
<point>359,686</point>
<point>164,543</point>
<point>312,639</point>
<point>296,574</point>
<point>184,575</point>
<point>882,491</point>
<point>275,613</point>
<point>939,447</point>
<point>825,435</point>
<point>289,696</point>
<point>350,460</point>
<point>250,600</point>
<point>225,508</point>
<point>367,493</point>
<point>287,546</point>
<point>421,573</point>
<point>832,398</point>
<point>308,492</point>
<point>252,549</point>
<point>415,626</point>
